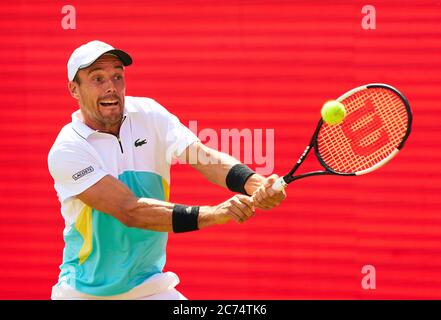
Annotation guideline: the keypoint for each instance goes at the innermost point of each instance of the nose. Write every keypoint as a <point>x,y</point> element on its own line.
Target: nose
<point>110,87</point>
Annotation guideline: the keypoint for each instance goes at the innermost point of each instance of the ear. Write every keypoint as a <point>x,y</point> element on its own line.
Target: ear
<point>73,89</point>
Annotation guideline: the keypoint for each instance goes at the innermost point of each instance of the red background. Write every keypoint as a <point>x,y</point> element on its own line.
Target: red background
<point>238,64</point>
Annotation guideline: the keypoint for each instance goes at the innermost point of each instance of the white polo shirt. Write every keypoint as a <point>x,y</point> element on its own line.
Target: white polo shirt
<point>102,256</point>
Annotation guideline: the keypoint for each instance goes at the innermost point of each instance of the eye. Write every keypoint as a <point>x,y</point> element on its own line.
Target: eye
<point>118,77</point>
<point>97,79</point>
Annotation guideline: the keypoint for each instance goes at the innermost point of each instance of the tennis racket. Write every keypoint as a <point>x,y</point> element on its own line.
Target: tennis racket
<point>377,124</point>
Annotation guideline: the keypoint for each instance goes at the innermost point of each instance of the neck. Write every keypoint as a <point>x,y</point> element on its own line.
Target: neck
<point>112,128</point>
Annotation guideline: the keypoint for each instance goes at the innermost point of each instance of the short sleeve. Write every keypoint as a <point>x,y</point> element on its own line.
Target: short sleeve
<point>73,169</point>
<point>177,136</point>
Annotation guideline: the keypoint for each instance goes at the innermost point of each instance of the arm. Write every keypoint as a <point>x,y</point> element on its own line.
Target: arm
<point>112,197</point>
<point>215,165</point>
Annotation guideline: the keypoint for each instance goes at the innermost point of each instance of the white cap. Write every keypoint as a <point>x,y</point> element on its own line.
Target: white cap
<point>88,53</point>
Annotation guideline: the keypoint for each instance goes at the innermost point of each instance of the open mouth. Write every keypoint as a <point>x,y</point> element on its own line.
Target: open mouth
<point>109,103</point>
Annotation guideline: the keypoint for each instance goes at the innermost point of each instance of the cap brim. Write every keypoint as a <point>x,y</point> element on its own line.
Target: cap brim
<point>121,55</point>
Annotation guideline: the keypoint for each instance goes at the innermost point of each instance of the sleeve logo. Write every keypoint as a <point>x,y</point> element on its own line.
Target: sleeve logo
<point>82,173</point>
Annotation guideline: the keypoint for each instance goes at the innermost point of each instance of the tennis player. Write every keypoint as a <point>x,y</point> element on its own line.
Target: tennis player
<point>111,171</point>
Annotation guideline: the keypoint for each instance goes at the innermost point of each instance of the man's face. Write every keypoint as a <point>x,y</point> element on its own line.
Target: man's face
<point>100,93</point>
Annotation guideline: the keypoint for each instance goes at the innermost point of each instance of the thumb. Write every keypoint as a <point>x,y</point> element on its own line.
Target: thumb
<point>270,180</point>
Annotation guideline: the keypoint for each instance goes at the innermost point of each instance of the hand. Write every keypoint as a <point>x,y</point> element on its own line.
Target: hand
<point>238,208</point>
<point>265,197</point>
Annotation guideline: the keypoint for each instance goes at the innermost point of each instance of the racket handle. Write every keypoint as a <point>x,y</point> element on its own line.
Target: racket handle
<point>279,185</point>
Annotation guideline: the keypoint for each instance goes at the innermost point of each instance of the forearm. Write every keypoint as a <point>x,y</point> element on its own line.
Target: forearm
<point>212,164</point>
<point>156,215</point>
<point>111,196</point>
<point>215,166</point>
<point>150,214</point>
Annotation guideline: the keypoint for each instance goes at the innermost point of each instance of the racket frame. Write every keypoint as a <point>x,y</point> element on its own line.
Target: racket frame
<point>313,144</point>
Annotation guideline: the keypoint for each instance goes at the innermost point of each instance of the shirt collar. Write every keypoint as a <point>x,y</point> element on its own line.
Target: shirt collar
<point>83,129</point>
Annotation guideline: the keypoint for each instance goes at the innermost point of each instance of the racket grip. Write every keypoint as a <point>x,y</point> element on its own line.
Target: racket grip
<point>279,185</point>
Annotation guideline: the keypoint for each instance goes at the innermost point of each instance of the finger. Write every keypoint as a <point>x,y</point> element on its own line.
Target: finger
<point>270,194</point>
<point>235,214</point>
<point>257,204</point>
<point>265,197</point>
<point>240,208</point>
<point>257,199</point>
<point>270,180</point>
<point>247,200</point>
<point>283,195</point>
<point>279,194</point>
<point>244,210</point>
<point>262,205</point>
<point>266,202</point>
<point>266,206</point>
<point>273,201</point>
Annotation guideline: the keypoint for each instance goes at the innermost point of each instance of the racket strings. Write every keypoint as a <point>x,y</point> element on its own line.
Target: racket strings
<point>375,125</point>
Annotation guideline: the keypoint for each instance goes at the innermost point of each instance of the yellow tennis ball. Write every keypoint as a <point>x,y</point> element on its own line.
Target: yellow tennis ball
<point>333,112</point>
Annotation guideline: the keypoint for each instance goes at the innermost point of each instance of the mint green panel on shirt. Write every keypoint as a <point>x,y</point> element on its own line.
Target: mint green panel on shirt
<point>112,258</point>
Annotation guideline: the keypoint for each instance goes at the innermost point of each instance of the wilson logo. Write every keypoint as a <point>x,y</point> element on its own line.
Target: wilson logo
<point>82,173</point>
<point>365,130</point>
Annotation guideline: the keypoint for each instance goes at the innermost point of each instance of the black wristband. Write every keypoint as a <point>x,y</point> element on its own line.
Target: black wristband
<point>185,218</point>
<point>237,177</point>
